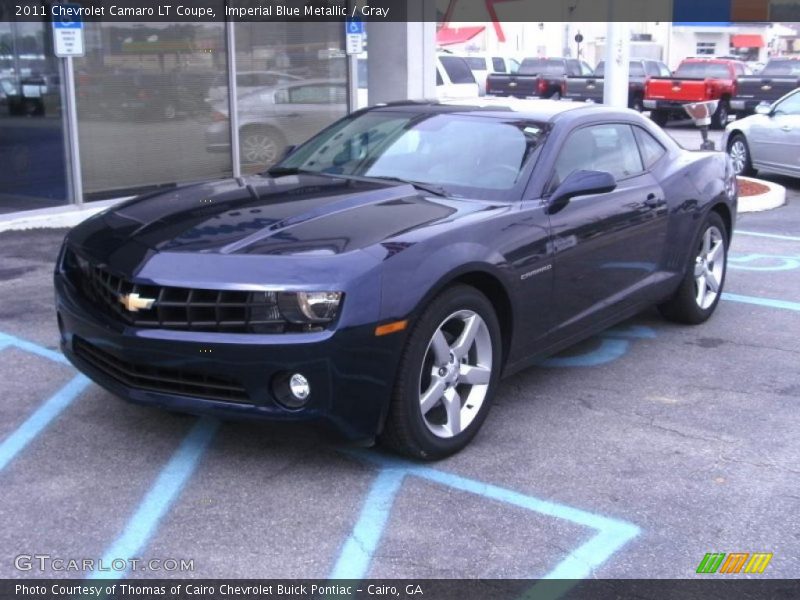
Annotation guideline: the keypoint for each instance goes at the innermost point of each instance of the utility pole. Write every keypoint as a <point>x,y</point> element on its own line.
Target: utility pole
<point>618,48</point>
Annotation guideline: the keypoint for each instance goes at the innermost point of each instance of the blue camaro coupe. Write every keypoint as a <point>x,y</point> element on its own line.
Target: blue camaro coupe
<point>385,274</point>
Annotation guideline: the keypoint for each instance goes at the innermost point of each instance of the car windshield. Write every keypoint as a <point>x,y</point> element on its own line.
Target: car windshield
<point>465,156</point>
<point>545,66</point>
<point>782,68</point>
<point>703,70</point>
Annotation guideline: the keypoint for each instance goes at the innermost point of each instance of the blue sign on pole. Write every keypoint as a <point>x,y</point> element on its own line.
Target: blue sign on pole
<point>354,27</point>
<point>71,20</point>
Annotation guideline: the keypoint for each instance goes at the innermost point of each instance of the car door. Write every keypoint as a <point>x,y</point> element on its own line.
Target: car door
<point>774,139</point>
<point>606,247</point>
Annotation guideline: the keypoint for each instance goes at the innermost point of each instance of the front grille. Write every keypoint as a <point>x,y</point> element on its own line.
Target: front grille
<point>177,307</point>
<point>157,379</point>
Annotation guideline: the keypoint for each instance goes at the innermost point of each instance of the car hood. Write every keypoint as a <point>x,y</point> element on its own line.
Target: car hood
<point>295,215</point>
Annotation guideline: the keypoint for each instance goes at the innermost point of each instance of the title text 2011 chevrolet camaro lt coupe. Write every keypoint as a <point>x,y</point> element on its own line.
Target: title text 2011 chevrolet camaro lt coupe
<point>385,274</point>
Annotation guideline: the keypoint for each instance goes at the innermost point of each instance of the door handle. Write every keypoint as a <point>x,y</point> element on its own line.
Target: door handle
<point>652,201</point>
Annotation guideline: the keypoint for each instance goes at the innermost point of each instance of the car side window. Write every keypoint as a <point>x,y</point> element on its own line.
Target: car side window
<point>586,70</point>
<point>439,80</point>
<point>498,65</point>
<point>790,106</point>
<point>573,68</point>
<point>457,69</point>
<point>650,147</point>
<point>609,147</point>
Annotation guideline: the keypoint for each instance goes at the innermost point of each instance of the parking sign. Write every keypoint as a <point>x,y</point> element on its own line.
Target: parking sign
<point>354,36</point>
<point>68,32</point>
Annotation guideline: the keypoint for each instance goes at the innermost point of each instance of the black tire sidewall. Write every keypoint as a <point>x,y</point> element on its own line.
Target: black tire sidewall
<point>428,445</point>
<point>685,305</point>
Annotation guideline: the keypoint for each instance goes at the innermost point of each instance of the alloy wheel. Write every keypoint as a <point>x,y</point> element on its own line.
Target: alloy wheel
<point>738,154</point>
<point>259,148</point>
<point>456,372</point>
<point>709,267</point>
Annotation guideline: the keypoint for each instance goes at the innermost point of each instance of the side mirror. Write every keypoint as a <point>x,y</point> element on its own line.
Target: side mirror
<point>580,183</point>
<point>764,109</point>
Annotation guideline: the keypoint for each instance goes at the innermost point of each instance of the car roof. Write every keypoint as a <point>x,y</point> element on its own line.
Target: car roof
<point>535,110</point>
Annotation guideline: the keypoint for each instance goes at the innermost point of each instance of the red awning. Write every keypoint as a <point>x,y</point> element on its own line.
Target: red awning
<point>456,35</point>
<point>747,40</point>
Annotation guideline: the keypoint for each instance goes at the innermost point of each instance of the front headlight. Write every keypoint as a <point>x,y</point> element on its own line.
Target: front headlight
<point>309,307</point>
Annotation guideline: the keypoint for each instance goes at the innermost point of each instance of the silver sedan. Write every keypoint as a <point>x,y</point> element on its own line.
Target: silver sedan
<point>768,140</point>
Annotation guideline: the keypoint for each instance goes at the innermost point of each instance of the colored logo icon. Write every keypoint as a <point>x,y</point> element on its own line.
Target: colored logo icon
<point>732,563</point>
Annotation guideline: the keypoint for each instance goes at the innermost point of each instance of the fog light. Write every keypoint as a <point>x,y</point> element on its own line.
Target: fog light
<point>299,387</point>
<point>291,390</point>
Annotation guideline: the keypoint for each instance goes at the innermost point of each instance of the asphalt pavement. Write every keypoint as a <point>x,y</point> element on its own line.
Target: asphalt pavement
<point>630,455</point>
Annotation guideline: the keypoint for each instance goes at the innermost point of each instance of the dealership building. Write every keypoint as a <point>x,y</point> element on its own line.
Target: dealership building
<point>156,104</point>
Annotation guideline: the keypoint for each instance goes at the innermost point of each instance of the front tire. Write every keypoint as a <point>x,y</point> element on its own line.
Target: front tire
<point>739,151</point>
<point>701,288</point>
<point>446,377</point>
<point>659,117</point>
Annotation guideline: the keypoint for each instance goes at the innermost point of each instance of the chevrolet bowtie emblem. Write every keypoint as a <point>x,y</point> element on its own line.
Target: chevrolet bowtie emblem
<point>134,303</point>
<point>766,87</point>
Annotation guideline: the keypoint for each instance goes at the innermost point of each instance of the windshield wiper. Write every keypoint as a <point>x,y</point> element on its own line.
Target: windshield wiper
<point>277,171</point>
<point>427,187</point>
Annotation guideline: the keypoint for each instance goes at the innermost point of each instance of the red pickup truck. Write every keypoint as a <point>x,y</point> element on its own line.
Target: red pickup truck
<point>695,80</point>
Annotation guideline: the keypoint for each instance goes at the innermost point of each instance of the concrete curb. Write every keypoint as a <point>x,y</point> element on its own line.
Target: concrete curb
<point>775,197</point>
<point>53,218</point>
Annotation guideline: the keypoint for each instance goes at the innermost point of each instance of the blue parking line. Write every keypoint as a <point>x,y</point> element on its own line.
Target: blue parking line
<point>770,302</point>
<point>356,554</point>
<point>9,340</point>
<point>608,351</point>
<point>774,236</point>
<point>160,497</point>
<point>40,419</point>
<point>354,563</point>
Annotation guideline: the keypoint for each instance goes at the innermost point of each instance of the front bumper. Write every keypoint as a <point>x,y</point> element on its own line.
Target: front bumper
<point>350,372</point>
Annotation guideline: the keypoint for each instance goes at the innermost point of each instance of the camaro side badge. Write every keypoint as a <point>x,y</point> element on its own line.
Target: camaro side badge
<point>525,276</point>
<point>134,303</point>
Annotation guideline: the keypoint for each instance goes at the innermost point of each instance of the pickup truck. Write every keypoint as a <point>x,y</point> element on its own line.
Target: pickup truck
<point>537,77</point>
<point>590,88</point>
<point>695,80</point>
<point>774,81</point>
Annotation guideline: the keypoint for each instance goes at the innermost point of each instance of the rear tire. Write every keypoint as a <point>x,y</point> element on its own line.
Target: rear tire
<point>701,288</point>
<point>659,117</point>
<point>719,120</point>
<point>446,377</point>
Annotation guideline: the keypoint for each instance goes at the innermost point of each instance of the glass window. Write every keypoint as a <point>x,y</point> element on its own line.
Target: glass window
<point>499,65</point>
<point>650,147</point>
<point>468,156</point>
<point>513,65</point>
<point>586,70</point>
<point>476,63</point>
<point>32,138</point>
<point>143,114</point>
<point>611,148</point>
<point>790,106</point>
<point>703,70</point>
<point>706,48</point>
<point>636,69</point>
<point>782,68</point>
<point>545,66</point>
<point>457,69</point>
<point>439,80</point>
<point>303,72</point>
<point>573,68</point>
